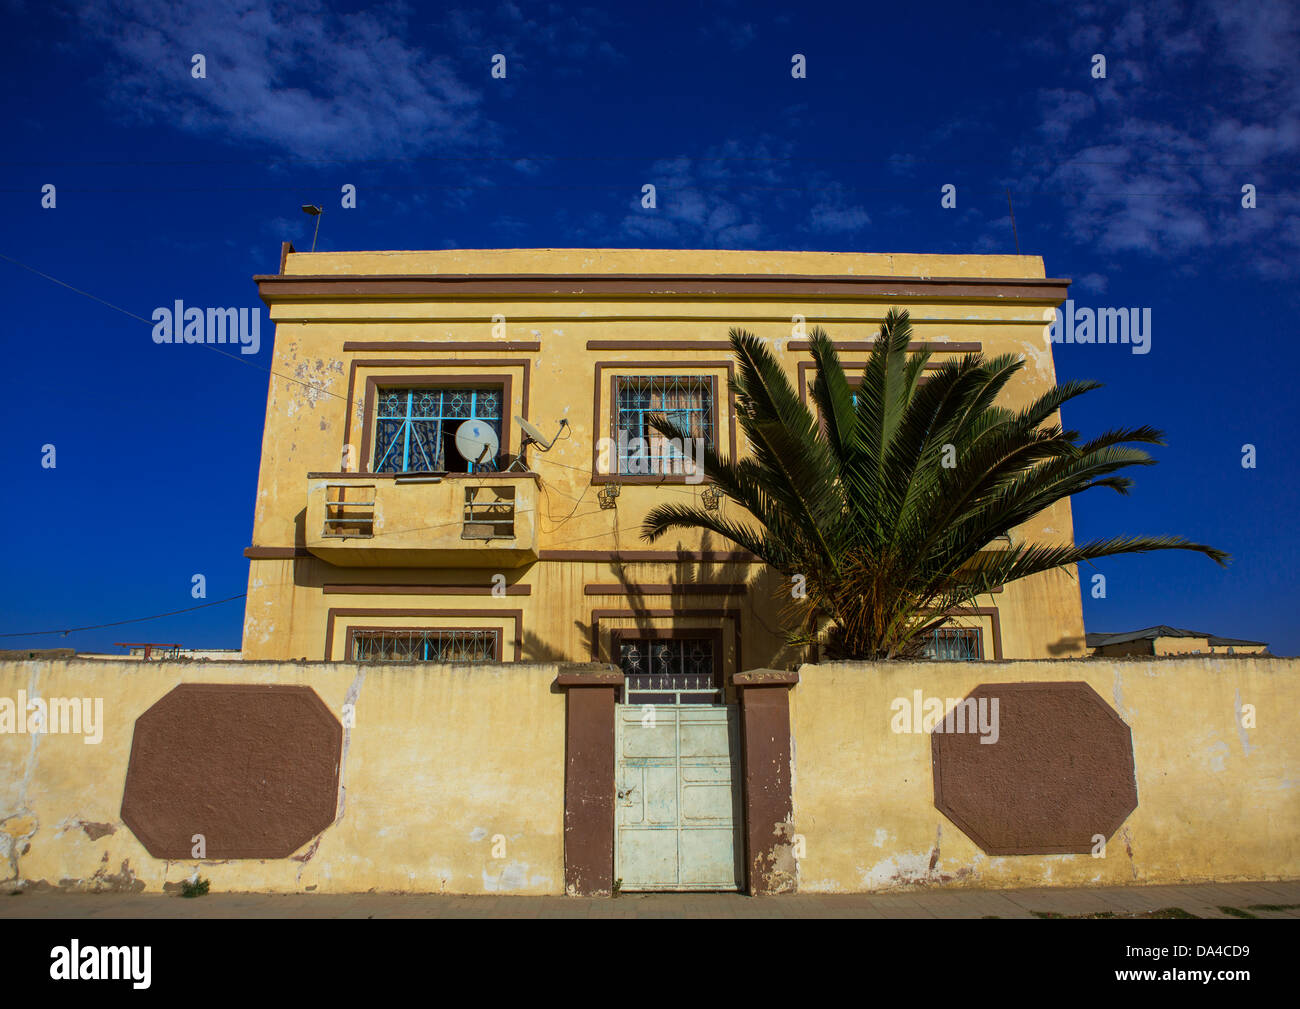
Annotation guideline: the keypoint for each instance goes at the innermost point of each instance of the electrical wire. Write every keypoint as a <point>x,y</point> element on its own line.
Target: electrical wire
<point>119,623</point>
<point>242,359</point>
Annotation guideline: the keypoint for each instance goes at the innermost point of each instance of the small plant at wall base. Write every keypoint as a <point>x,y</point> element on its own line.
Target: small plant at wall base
<point>891,500</point>
<point>194,887</point>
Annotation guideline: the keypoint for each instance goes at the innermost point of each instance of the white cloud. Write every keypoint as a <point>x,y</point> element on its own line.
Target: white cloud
<point>725,199</point>
<point>833,213</point>
<point>304,80</point>
<point>1201,97</point>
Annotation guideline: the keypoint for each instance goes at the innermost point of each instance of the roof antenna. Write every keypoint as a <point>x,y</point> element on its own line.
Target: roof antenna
<point>315,212</point>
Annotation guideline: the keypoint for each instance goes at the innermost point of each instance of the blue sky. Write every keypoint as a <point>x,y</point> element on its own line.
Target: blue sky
<point>173,187</point>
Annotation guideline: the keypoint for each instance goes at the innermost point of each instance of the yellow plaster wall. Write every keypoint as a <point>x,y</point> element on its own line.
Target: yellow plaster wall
<point>1182,646</point>
<point>1217,801</point>
<point>440,761</point>
<point>661,261</point>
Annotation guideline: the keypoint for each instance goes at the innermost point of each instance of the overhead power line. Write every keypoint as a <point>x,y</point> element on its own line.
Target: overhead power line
<point>117,308</point>
<point>119,623</point>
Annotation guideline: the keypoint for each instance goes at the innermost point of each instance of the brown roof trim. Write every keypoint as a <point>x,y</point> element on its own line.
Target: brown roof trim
<point>275,288</point>
<point>286,250</point>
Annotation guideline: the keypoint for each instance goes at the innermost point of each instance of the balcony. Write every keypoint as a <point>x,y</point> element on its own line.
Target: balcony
<point>386,520</point>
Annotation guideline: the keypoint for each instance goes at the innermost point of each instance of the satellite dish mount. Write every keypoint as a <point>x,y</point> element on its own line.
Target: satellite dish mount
<point>533,436</point>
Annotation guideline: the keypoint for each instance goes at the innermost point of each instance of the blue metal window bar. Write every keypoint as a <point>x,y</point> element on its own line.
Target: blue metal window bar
<point>677,671</point>
<point>414,427</point>
<point>954,644</point>
<point>426,646</point>
<point>685,400</point>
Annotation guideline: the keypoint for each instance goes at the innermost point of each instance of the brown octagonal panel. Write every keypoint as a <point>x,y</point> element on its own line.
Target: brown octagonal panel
<point>1060,772</point>
<point>253,768</point>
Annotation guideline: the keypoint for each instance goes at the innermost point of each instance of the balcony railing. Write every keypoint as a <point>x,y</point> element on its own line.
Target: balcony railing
<point>349,510</point>
<point>422,520</point>
<point>489,513</point>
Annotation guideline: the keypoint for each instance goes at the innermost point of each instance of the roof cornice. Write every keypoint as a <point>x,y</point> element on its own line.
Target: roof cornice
<point>277,288</point>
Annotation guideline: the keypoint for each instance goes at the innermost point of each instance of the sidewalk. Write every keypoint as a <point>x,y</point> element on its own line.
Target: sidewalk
<point>1259,900</point>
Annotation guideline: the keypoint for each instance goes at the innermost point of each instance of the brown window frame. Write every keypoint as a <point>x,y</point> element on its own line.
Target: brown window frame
<point>374,383</point>
<point>350,642</point>
<point>607,415</point>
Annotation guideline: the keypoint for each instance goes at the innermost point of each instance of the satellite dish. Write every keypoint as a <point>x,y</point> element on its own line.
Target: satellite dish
<point>533,436</point>
<point>535,433</point>
<point>477,442</point>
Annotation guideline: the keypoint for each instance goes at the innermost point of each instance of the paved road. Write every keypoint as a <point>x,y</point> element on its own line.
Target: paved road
<point>1204,900</point>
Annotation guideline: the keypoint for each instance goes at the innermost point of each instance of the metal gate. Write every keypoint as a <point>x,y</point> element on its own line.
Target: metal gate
<point>678,812</point>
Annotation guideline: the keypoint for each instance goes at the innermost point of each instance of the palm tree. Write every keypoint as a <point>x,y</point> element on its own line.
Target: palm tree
<point>896,503</point>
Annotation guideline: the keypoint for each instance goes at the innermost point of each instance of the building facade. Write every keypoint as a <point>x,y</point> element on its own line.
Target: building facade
<point>1165,640</point>
<point>403,512</point>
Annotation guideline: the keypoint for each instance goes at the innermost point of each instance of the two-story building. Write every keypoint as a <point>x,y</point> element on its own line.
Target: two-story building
<point>405,512</point>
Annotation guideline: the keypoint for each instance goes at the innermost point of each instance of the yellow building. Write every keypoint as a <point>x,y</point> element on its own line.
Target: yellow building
<point>379,535</point>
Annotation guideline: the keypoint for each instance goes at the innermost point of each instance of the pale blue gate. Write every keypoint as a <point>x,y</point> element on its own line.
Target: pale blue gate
<point>677,809</point>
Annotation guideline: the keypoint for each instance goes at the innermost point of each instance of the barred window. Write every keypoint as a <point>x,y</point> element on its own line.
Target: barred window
<point>954,644</point>
<point>669,671</point>
<point>461,645</point>
<point>415,429</point>
<point>685,400</point>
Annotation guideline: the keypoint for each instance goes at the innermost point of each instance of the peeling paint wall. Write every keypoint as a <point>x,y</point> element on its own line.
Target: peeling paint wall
<point>1217,800</point>
<point>451,781</point>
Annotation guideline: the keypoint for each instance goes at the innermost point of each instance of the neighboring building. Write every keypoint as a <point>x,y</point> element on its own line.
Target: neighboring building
<point>1165,640</point>
<point>157,652</point>
<point>375,538</point>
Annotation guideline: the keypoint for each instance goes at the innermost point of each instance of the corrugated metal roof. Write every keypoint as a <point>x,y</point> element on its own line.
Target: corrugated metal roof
<point>1099,639</point>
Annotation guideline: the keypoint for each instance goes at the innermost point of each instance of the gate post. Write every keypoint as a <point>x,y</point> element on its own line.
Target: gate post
<point>589,777</point>
<point>769,804</point>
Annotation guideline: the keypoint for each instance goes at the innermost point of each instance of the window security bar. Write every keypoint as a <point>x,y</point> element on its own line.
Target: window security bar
<point>460,645</point>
